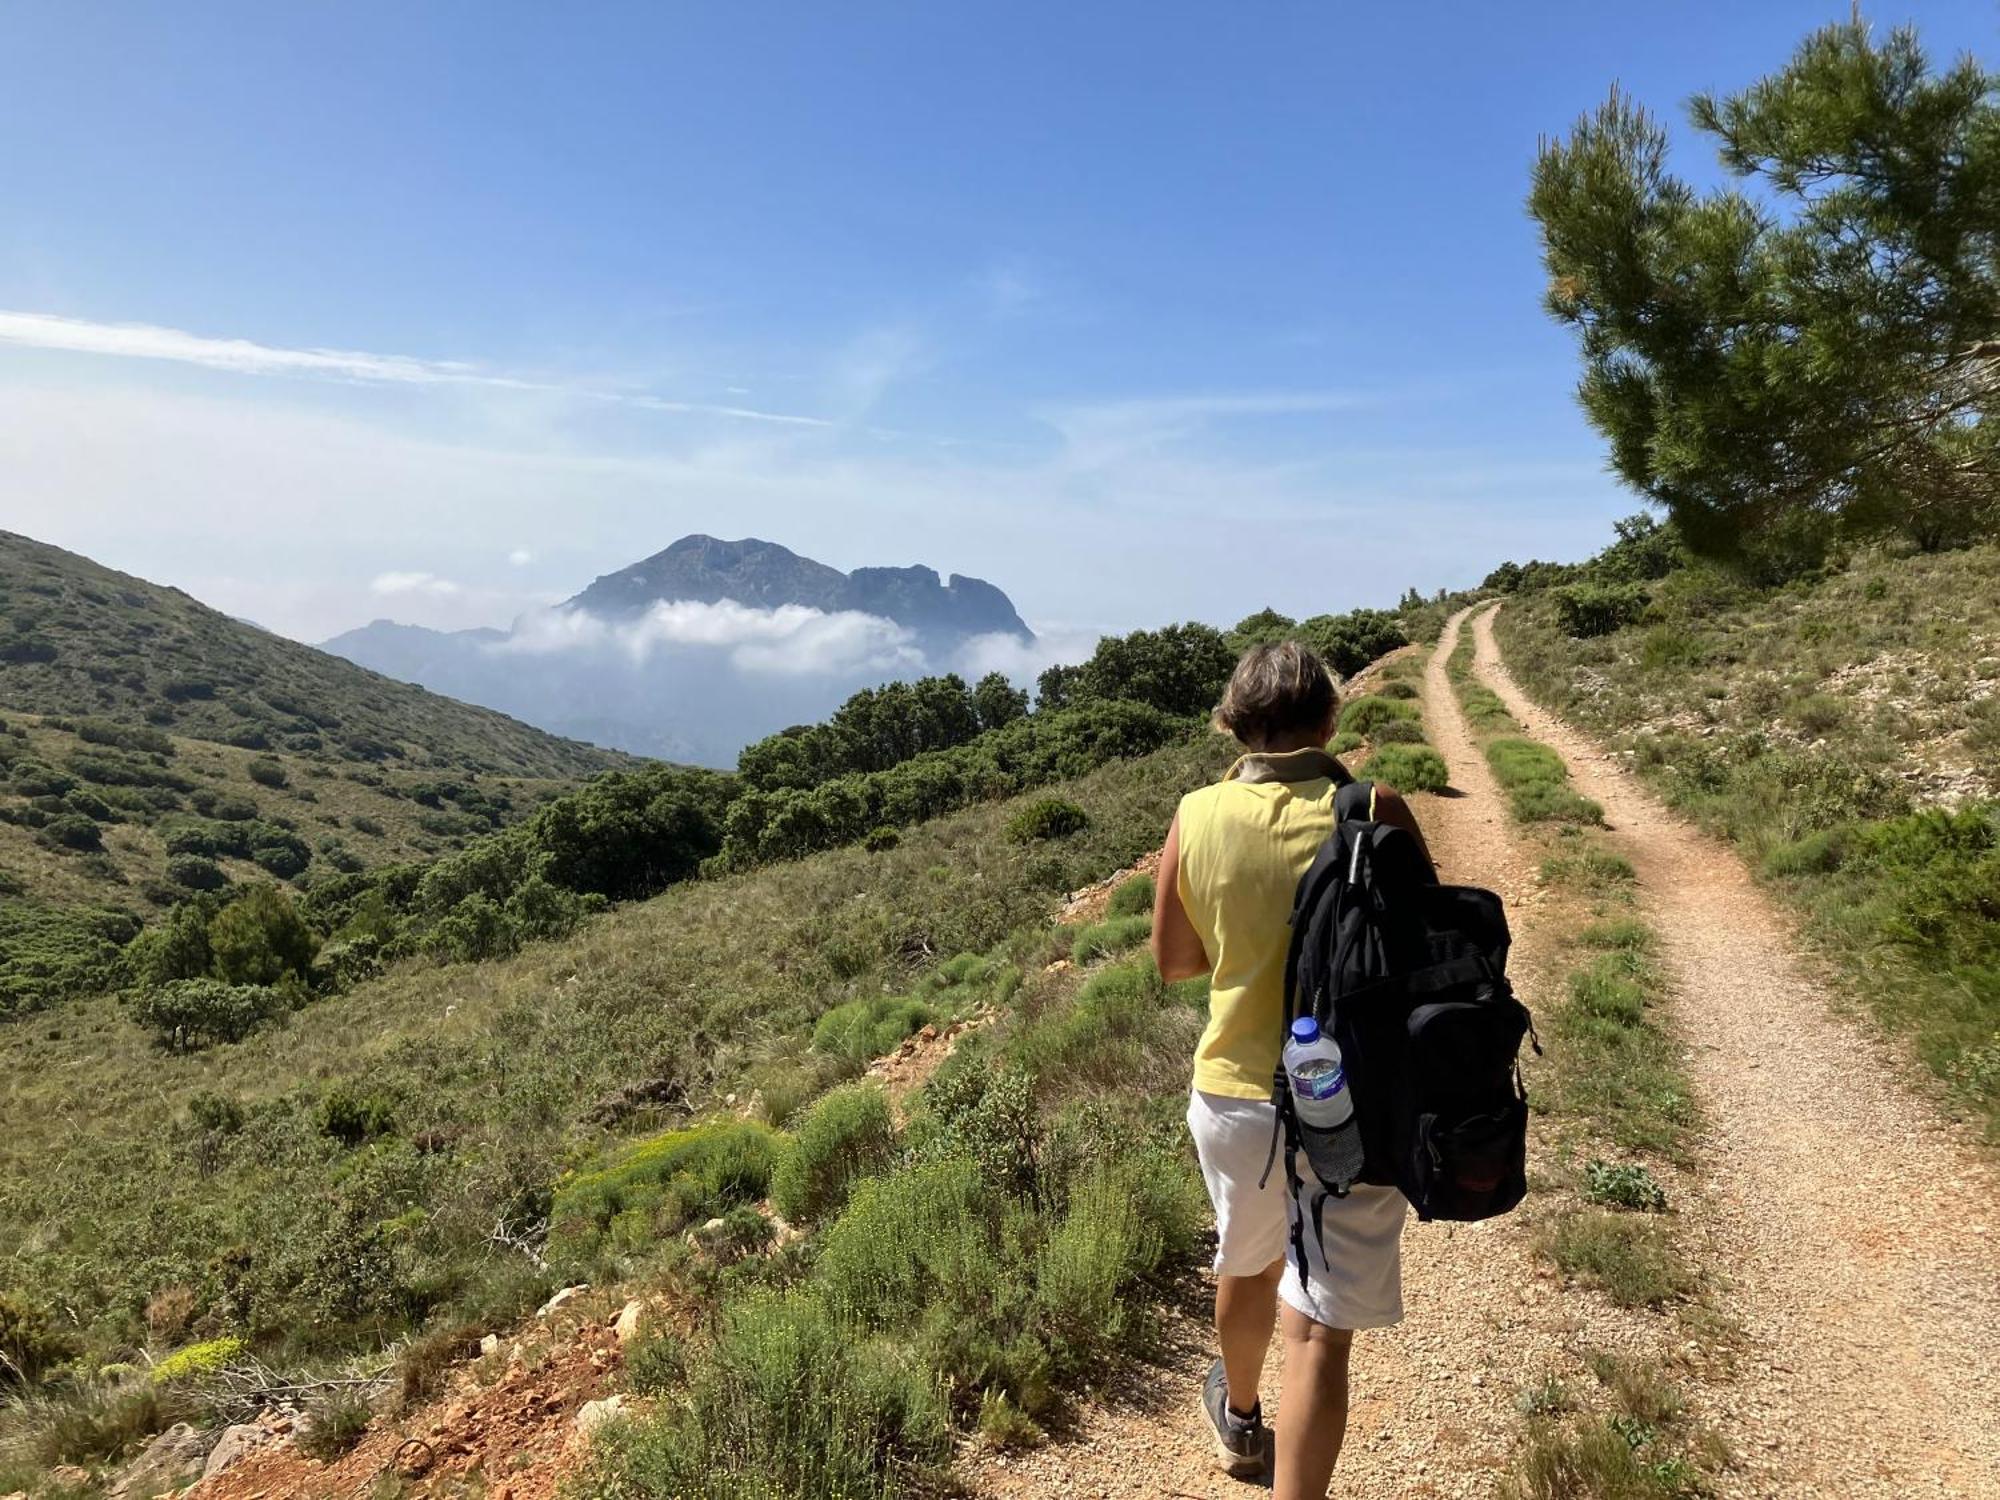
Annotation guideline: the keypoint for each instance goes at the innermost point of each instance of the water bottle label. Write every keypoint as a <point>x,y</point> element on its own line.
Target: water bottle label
<point>1321,1083</point>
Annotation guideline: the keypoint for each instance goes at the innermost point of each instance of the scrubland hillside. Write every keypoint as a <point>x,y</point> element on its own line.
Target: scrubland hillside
<point>1844,730</point>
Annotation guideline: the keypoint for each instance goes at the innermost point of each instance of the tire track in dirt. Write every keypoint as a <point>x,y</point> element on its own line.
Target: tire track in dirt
<point>1433,1411</point>
<point>1858,1231</point>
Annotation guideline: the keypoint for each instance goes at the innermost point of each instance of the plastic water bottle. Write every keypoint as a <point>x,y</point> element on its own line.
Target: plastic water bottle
<point>1328,1130</point>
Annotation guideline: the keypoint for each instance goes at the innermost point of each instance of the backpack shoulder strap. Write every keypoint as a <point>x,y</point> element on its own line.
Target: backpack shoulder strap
<point>1355,801</point>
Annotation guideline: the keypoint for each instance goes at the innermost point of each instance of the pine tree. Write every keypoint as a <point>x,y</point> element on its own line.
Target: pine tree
<point>1816,350</point>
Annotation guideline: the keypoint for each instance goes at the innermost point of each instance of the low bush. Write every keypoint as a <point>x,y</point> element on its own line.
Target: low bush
<point>1112,936</point>
<point>352,1118</point>
<point>195,873</point>
<point>846,1136</point>
<point>1050,818</point>
<point>48,953</point>
<point>197,1359</point>
<point>334,1423</point>
<point>1537,784</point>
<point>1132,897</point>
<point>1364,715</point>
<point>1397,732</point>
<point>656,1187</point>
<point>268,772</point>
<point>259,938</point>
<point>865,1029</point>
<point>1409,768</point>
<point>73,831</point>
<point>1623,1185</point>
<point>1590,609</point>
<point>31,1343</point>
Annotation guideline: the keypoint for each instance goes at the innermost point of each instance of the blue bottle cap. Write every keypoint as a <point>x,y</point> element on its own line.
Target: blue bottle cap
<point>1305,1030</point>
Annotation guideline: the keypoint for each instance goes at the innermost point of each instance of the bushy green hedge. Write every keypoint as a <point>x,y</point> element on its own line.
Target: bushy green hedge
<point>1363,715</point>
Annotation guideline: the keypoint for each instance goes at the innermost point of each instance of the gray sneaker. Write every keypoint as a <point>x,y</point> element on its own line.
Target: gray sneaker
<point>1242,1444</point>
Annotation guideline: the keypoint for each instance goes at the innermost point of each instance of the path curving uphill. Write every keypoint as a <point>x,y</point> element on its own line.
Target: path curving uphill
<point>1860,1234</point>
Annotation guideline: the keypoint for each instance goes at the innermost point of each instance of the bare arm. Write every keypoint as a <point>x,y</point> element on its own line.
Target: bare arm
<point>1176,945</point>
<point>1390,808</point>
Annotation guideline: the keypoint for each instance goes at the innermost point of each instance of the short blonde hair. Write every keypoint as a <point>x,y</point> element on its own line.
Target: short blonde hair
<point>1277,690</point>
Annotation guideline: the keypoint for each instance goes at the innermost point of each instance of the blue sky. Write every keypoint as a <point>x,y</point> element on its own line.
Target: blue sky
<point>1142,311</point>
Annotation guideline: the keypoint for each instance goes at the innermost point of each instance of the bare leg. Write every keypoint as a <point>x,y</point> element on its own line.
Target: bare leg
<point>1246,1307</point>
<point>1314,1419</point>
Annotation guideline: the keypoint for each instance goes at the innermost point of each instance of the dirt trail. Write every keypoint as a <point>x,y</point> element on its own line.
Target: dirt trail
<point>1860,1232</point>
<point>1433,1400</point>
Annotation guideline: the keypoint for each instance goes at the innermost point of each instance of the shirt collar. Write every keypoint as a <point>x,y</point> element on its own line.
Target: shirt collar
<point>1308,764</point>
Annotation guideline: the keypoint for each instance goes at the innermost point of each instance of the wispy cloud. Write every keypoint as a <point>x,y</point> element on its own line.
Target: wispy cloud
<point>149,341</point>
<point>413,583</point>
<point>1100,433</point>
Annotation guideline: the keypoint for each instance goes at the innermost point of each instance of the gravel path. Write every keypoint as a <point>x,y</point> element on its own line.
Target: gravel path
<point>1433,1400</point>
<point>1860,1232</point>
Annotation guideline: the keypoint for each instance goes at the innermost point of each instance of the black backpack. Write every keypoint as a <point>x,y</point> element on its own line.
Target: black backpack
<point>1409,978</point>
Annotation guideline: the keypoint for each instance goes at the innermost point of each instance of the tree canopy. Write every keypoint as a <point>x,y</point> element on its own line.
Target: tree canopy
<point>1812,350</point>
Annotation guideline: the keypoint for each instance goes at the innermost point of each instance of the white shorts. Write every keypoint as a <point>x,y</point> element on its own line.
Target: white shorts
<point>1354,1265</point>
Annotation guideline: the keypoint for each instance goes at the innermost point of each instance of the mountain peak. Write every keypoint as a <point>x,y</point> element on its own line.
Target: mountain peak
<point>765,575</point>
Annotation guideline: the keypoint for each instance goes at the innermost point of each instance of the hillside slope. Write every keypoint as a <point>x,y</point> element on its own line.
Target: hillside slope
<point>1844,732</point>
<point>81,639</point>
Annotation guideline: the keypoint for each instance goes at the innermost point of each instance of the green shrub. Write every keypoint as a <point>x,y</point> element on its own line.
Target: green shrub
<point>1395,688</point>
<point>175,947</point>
<point>1112,936</point>
<point>1409,768</point>
<point>278,851</point>
<point>197,1359</point>
<point>31,778</point>
<point>362,823</point>
<point>476,928</point>
<point>846,1136</point>
<point>189,1014</point>
<point>1623,1185</point>
<point>352,1118</point>
<point>195,873</point>
<point>1049,818</point>
<point>1132,897</point>
<point>334,1423</point>
<point>1397,732</point>
<point>31,1345</point>
<point>1592,609</point>
<point>881,840</point>
<point>865,1029</point>
<point>267,772</point>
<point>657,1187</point>
<point>259,938</point>
<point>1364,715</point>
<point>788,1404</point>
<point>48,953</point>
<point>72,831</point>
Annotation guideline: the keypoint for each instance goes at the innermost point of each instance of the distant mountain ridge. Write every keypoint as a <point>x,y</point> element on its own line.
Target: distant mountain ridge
<point>617,681</point>
<point>765,575</point>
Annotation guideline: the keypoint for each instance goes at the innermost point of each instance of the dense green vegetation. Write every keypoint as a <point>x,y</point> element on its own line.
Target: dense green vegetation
<point>357,1169</point>
<point>1838,728</point>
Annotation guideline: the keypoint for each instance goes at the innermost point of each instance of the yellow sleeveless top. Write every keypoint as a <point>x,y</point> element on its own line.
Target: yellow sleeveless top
<point>1244,843</point>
